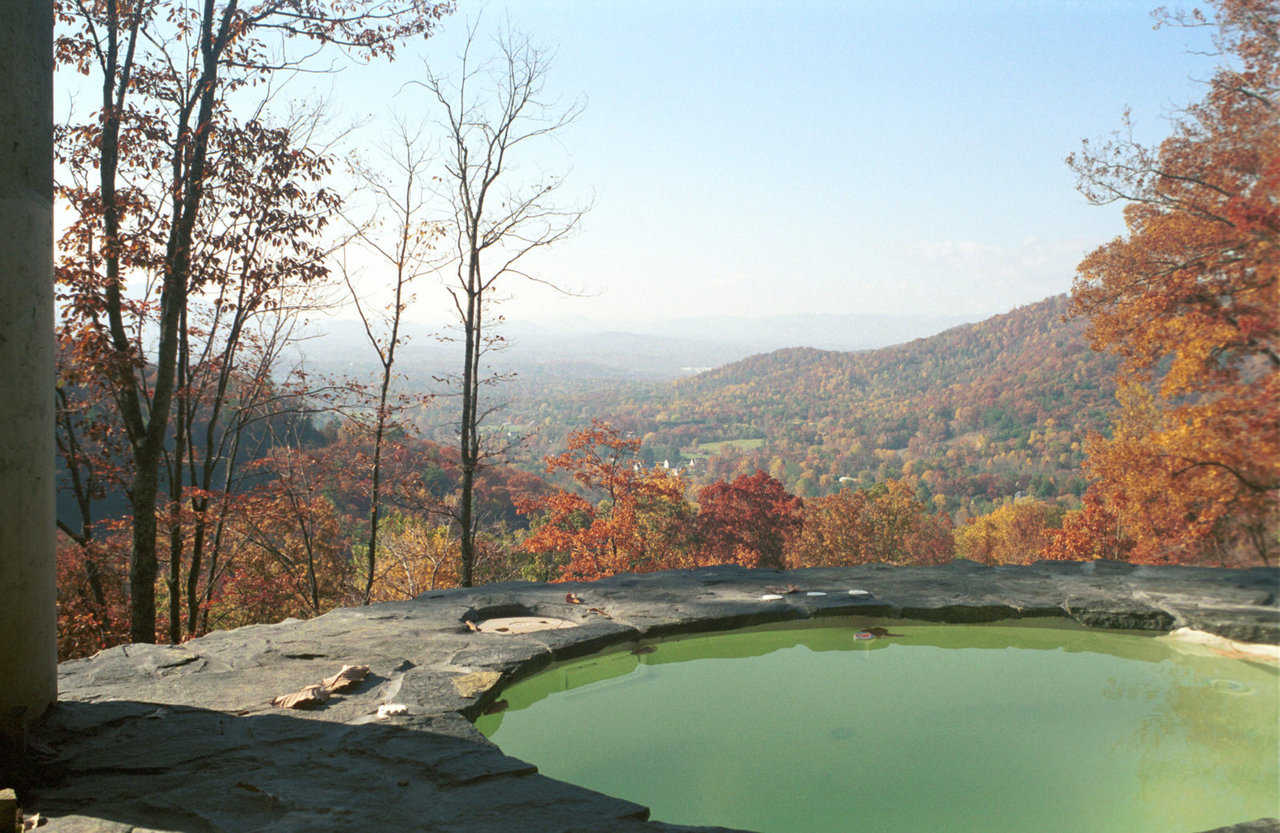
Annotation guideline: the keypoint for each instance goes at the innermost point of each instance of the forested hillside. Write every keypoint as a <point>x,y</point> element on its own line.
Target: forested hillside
<point>969,416</point>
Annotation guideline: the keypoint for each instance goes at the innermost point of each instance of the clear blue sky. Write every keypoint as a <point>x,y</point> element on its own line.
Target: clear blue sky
<point>751,158</point>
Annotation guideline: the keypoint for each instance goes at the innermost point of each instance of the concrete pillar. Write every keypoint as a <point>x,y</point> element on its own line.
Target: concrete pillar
<point>28,619</point>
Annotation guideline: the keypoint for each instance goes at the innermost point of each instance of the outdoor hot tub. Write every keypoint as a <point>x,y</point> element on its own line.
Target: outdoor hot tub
<point>836,725</point>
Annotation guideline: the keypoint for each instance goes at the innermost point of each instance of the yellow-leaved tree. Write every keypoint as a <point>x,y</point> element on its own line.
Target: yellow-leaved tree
<point>1188,300</point>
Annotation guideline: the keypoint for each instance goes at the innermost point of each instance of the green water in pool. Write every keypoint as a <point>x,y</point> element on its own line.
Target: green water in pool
<point>985,728</point>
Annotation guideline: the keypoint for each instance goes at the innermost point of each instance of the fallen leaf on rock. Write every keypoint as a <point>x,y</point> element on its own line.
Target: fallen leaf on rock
<point>599,612</point>
<point>881,632</point>
<point>469,685</point>
<point>346,678</point>
<point>306,697</point>
<point>471,626</point>
<point>572,599</point>
<point>789,589</point>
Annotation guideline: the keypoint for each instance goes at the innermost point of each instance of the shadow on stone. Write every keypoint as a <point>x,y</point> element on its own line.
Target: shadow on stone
<point>148,765</point>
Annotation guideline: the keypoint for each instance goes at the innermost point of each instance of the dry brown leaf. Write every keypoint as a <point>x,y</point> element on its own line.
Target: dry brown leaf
<point>572,598</point>
<point>599,612</point>
<point>347,677</point>
<point>471,626</point>
<point>469,685</point>
<point>881,632</point>
<point>306,697</point>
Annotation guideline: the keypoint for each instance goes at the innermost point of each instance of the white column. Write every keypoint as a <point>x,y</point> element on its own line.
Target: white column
<point>28,619</point>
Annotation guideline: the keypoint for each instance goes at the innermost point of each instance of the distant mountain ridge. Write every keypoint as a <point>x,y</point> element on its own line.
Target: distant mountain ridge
<point>824,331</point>
<point>968,353</point>
<point>666,350</point>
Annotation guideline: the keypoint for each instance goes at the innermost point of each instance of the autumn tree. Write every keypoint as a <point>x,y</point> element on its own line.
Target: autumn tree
<point>886,524</point>
<point>167,71</point>
<point>492,112</point>
<point>92,455</point>
<point>1188,300</point>
<point>92,549</point>
<point>748,521</point>
<point>292,556</point>
<point>631,519</point>
<point>254,260</point>
<point>1017,532</point>
<point>420,556</point>
<point>258,255</point>
<point>1091,532</point>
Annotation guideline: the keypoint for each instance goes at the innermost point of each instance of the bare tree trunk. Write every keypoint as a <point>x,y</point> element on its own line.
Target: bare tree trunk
<point>494,226</point>
<point>409,257</point>
<point>469,440</point>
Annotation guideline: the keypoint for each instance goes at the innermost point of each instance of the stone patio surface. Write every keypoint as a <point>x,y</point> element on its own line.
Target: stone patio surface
<point>184,738</point>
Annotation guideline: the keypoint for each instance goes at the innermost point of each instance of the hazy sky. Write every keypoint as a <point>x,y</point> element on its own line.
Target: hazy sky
<point>751,158</point>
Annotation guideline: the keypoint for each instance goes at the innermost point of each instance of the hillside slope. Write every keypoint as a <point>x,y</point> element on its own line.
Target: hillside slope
<point>971,415</point>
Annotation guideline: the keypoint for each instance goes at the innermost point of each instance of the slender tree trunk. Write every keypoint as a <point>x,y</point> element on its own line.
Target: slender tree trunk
<point>376,495</point>
<point>515,223</point>
<point>375,498</point>
<point>469,443</point>
<point>174,580</point>
<point>181,447</point>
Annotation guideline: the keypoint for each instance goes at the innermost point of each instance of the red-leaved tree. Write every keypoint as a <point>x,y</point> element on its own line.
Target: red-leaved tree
<point>748,521</point>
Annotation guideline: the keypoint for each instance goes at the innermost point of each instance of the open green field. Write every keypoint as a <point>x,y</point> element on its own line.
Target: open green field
<point>703,450</point>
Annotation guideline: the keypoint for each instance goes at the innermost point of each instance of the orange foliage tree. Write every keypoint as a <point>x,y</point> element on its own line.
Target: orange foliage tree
<point>748,521</point>
<point>1018,532</point>
<point>886,523</point>
<point>1089,533</point>
<point>639,521</point>
<point>93,597</point>
<point>291,555</point>
<point>1188,300</point>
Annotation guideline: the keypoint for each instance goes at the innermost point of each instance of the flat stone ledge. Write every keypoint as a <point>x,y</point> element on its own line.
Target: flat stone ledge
<point>183,738</point>
<point>1258,826</point>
